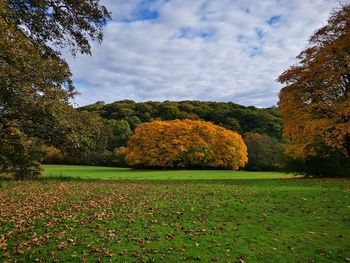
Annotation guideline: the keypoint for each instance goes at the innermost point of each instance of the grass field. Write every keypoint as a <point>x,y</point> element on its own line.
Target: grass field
<point>108,173</point>
<point>222,218</point>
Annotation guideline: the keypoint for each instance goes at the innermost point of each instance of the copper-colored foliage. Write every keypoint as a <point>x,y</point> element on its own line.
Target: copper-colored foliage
<point>185,143</point>
<point>315,103</point>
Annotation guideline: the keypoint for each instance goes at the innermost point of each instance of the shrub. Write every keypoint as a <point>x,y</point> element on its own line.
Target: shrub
<point>185,144</point>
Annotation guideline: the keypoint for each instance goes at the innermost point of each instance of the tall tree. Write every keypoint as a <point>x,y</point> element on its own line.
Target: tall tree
<point>35,82</point>
<point>315,102</point>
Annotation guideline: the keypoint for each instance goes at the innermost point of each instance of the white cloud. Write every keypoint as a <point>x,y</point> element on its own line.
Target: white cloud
<point>219,50</point>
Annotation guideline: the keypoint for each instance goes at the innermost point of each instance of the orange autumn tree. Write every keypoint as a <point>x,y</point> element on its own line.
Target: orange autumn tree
<point>315,102</point>
<point>185,144</point>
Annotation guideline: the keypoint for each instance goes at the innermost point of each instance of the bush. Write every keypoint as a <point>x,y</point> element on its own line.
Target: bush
<point>185,144</point>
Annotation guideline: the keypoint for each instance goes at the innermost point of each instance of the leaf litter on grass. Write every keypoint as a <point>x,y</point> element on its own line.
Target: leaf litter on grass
<point>149,221</point>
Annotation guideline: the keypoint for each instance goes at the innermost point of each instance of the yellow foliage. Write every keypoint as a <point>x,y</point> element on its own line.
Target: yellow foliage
<point>53,153</point>
<point>315,101</point>
<point>185,144</point>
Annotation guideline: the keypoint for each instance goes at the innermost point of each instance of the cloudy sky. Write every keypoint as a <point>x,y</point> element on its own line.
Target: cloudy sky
<point>219,50</point>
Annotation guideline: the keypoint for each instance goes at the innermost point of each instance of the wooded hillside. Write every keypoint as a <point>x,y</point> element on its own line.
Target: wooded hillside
<point>227,114</point>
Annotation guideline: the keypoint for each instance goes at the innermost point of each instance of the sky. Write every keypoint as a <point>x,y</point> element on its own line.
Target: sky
<point>211,50</point>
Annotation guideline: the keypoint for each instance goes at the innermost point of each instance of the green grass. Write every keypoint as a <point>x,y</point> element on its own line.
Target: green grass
<point>223,218</point>
<point>108,173</point>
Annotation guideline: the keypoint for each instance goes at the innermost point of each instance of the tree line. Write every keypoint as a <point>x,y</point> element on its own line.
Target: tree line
<point>229,115</point>
<point>261,128</point>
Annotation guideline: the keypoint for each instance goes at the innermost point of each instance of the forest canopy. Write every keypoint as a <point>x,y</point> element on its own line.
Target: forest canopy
<point>226,114</point>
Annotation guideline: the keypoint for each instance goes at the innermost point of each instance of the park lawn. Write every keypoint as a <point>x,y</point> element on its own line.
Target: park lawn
<point>216,220</point>
<point>115,173</point>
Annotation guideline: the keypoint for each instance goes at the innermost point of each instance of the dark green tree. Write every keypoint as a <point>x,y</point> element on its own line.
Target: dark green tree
<point>133,121</point>
<point>264,152</point>
<point>120,133</point>
<point>167,111</point>
<point>35,82</point>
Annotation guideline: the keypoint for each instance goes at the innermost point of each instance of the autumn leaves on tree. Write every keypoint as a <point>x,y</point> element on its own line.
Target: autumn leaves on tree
<point>315,102</point>
<point>185,144</point>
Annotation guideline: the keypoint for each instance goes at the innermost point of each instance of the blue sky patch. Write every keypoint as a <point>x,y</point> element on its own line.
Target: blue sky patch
<point>143,12</point>
<point>253,51</point>
<point>273,20</point>
<point>187,33</point>
<point>142,16</point>
<point>205,35</point>
<point>259,33</point>
<point>242,39</point>
<point>146,14</point>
